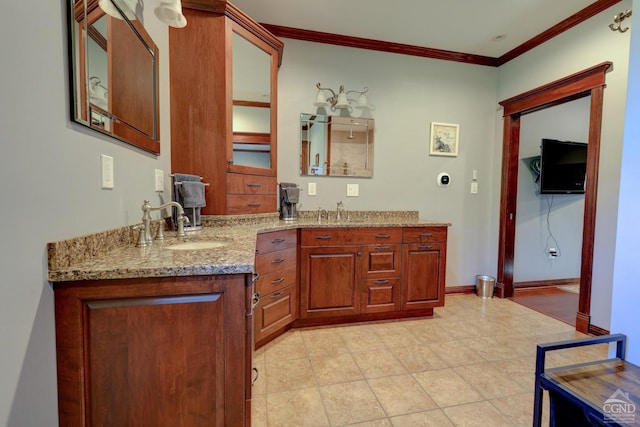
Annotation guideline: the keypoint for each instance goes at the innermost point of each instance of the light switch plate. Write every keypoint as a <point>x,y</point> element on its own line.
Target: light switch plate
<point>474,188</point>
<point>353,190</point>
<point>159,180</point>
<point>107,171</point>
<point>311,188</point>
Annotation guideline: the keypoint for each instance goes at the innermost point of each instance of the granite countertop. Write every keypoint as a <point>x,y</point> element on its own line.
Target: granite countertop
<point>97,257</point>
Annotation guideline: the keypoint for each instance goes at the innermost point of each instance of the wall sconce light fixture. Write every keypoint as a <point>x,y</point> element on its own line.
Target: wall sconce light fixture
<point>341,100</point>
<point>617,21</point>
<point>168,12</point>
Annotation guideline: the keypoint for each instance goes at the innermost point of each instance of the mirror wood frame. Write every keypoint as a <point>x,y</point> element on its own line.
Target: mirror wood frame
<point>80,13</point>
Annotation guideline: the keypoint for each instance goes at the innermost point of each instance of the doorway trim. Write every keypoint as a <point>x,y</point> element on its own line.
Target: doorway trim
<point>589,82</point>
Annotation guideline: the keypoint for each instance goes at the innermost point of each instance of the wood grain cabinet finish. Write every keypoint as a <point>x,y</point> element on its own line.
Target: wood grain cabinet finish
<point>423,267</point>
<point>276,283</point>
<point>202,107</point>
<point>358,273</point>
<point>153,352</point>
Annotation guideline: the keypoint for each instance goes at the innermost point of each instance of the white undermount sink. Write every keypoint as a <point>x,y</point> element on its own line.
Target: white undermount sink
<point>195,245</point>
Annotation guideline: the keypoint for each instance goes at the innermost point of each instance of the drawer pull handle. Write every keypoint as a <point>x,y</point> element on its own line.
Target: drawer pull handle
<point>277,281</point>
<point>254,184</point>
<point>254,369</point>
<point>278,261</point>
<point>278,295</point>
<point>381,282</point>
<point>253,205</point>
<point>277,241</point>
<point>323,237</point>
<point>425,234</point>
<point>383,236</point>
<point>383,248</point>
<point>425,247</point>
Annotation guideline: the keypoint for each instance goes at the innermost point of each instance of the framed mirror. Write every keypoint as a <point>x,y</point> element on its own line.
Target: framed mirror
<point>114,72</point>
<point>252,75</point>
<point>336,146</point>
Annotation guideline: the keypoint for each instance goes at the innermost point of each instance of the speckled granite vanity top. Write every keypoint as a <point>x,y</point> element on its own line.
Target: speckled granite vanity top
<point>113,255</point>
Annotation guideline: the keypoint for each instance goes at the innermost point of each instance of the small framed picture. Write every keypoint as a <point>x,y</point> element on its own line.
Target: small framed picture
<point>444,139</point>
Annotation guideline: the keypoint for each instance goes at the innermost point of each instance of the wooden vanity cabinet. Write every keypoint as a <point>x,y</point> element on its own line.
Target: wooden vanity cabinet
<point>276,284</point>
<point>423,267</point>
<point>240,165</point>
<point>154,351</point>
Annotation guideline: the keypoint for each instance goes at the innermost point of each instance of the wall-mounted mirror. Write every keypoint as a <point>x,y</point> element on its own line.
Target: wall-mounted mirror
<point>114,72</point>
<point>336,145</point>
<point>252,75</point>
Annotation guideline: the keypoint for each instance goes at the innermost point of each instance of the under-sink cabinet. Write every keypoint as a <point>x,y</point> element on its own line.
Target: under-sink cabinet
<point>154,351</point>
<point>360,273</point>
<point>276,283</point>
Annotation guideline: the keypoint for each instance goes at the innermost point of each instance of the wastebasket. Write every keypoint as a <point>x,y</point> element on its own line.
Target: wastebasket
<point>485,286</point>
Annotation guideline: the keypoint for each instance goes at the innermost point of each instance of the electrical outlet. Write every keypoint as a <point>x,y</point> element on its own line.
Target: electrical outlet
<point>159,180</point>
<point>107,171</point>
<point>311,188</point>
<point>353,190</point>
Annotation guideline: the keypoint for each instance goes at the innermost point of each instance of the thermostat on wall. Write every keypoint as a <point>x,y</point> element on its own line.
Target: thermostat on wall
<point>444,179</point>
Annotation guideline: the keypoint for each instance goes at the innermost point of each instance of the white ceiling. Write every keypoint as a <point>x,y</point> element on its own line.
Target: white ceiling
<point>466,26</point>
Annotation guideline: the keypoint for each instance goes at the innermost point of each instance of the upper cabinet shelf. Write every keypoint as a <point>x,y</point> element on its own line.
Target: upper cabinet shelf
<point>223,76</point>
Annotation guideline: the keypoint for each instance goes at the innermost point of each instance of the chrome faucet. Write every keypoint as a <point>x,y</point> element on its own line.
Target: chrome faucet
<point>339,210</point>
<point>321,213</point>
<point>146,221</point>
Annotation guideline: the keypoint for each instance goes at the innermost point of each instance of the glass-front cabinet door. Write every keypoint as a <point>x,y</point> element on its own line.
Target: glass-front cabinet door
<point>254,68</point>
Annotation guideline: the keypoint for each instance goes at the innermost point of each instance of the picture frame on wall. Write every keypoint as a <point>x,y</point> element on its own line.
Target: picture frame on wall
<point>444,139</point>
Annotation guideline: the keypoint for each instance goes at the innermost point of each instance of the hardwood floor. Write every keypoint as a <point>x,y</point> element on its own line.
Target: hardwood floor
<point>552,301</point>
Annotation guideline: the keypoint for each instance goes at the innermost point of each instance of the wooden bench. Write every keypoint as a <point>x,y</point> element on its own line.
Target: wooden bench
<point>598,393</point>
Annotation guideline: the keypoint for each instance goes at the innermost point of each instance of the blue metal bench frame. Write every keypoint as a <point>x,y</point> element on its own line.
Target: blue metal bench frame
<point>543,383</point>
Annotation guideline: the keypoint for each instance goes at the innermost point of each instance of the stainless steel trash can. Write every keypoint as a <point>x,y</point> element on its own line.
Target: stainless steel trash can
<point>485,286</point>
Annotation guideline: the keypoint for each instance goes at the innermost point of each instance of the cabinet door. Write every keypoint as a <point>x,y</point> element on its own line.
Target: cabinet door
<point>275,311</point>
<point>153,352</point>
<point>330,279</point>
<point>423,274</point>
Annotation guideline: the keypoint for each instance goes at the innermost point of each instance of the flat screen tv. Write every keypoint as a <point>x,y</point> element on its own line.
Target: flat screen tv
<point>563,167</point>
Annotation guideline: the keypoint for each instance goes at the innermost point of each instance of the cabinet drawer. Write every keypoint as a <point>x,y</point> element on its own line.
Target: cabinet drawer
<point>425,234</point>
<point>351,236</point>
<point>380,295</point>
<point>275,261</point>
<point>275,281</point>
<point>276,240</point>
<point>249,204</point>
<point>238,183</point>
<point>275,311</point>
<point>381,260</point>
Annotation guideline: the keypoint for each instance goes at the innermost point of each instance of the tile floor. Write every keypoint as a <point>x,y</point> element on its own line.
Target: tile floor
<point>463,367</point>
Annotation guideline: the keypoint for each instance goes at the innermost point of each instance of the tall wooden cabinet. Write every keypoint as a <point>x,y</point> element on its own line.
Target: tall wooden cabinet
<point>172,351</point>
<point>223,77</point>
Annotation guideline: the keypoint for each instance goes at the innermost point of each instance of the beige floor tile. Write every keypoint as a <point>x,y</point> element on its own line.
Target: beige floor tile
<point>418,358</point>
<point>338,368</point>
<point>384,422</point>
<point>259,386</point>
<point>323,341</point>
<point>489,380</point>
<point>259,411</point>
<point>477,414</point>
<point>446,387</point>
<point>518,408</point>
<point>401,395</point>
<point>289,375</point>
<point>434,418</point>
<point>455,353</point>
<point>296,408</point>
<point>521,370</point>
<point>286,347</point>
<point>428,332</point>
<point>360,338</point>
<point>489,348</point>
<point>395,335</point>
<point>350,403</point>
<point>379,363</point>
